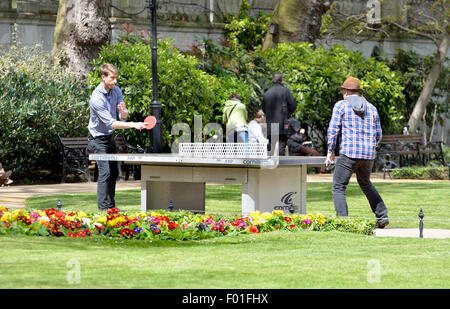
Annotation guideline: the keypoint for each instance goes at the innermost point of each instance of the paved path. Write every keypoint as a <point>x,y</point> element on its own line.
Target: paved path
<point>14,196</point>
<point>402,232</point>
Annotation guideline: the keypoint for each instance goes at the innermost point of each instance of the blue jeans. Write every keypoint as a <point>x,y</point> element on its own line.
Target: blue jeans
<point>238,137</point>
<point>108,171</point>
<point>344,169</point>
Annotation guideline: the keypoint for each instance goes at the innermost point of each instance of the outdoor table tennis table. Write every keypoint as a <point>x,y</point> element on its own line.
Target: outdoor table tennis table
<point>271,183</point>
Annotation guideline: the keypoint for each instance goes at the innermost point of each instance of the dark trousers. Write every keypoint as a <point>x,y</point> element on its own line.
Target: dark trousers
<point>282,142</point>
<point>108,171</point>
<point>344,169</point>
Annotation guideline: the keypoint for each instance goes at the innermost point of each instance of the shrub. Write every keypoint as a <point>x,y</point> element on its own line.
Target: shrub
<point>229,63</point>
<point>184,90</point>
<point>315,85</point>
<point>37,101</point>
<point>421,172</point>
<point>446,151</point>
<point>245,31</point>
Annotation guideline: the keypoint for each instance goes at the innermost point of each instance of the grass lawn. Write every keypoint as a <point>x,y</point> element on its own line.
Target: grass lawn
<point>403,201</point>
<point>276,260</point>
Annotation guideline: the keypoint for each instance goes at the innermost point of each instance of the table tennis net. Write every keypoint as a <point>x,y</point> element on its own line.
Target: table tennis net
<point>223,150</point>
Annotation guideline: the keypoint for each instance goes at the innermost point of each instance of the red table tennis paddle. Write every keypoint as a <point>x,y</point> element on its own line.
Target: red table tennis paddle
<point>150,122</point>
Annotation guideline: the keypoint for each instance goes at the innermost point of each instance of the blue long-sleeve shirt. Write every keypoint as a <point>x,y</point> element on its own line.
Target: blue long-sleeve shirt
<point>103,110</point>
<point>360,134</point>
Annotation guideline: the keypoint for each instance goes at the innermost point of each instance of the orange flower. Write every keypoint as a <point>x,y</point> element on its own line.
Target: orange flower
<point>253,229</point>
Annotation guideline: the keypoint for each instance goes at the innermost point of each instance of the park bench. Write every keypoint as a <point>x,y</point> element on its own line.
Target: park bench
<point>75,156</point>
<point>395,151</point>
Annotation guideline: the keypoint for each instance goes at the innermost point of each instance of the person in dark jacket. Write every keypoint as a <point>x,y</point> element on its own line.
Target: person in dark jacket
<point>296,138</point>
<point>278,104</point>
<point>296,142</point>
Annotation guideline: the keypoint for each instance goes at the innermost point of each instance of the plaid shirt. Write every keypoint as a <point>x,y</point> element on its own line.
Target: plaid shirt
<point>359,135</point>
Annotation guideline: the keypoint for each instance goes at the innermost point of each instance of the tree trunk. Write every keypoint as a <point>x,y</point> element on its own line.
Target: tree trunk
<point>427,90</point>
<point>434,122</point>
<point>298,21</point>
<point>82,27</point>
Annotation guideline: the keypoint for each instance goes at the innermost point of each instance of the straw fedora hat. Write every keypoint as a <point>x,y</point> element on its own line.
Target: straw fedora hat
<point>351,83</point>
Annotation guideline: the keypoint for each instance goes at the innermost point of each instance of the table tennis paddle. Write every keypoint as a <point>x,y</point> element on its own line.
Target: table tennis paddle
<point>150,122</point>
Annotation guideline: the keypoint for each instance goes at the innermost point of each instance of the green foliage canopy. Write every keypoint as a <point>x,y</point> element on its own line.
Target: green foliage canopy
<point>37,101</point>
<point>314,75</point>
<point>184,90</point>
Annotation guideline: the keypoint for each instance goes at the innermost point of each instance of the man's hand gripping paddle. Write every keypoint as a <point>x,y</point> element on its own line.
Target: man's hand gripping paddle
<point>150,122</point>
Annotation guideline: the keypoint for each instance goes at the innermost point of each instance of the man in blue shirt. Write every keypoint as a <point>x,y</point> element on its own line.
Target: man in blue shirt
<point>106,101</point>
<point>357,122</point>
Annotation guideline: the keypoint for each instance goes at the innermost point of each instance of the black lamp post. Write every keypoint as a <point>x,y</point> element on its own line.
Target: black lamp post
<point>421,215</point>
<point>155,134</point>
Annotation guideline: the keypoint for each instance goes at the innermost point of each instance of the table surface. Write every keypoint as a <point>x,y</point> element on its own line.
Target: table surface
<point>176,160</point>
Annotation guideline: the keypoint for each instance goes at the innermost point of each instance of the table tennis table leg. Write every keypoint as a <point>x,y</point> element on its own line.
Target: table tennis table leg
<point>180,195</point>
<point>267,190</point>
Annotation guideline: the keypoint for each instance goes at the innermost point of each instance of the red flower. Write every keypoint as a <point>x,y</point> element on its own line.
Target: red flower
<point>163,219</point>
<point>287,219</point>
<point>277,226</point>
<point>127,232</point>
<point>253,229</point>
<point>292,226</point>
<point>172,225</point>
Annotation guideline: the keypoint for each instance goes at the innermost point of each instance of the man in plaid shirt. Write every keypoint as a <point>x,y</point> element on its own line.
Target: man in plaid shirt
<point>357,123</point>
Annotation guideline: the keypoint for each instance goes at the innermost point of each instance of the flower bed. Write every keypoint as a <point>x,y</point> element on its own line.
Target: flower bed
<point>165,225</point>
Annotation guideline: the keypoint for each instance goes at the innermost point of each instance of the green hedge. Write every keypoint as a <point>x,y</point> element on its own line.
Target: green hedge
<point>314,75</point>
<point>184,90</point>
<point>421,172</point>
<point>37,101</point>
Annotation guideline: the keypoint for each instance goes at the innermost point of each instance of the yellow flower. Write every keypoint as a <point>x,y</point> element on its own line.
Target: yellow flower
<point>81,214</point>
<point>116,221</point>
<point>19,213</point>
<point>320,219</point>
<point>267,215</point>
<point>278,213</point>
<point>255,214</point>
<point>70,218</point>
<point>294,216</point>
<point>6,217</point>
<point>258,221</point>
<point>43,220</point>
<point>3,208</point>
<point>141,215</point>
<point>100,219</point>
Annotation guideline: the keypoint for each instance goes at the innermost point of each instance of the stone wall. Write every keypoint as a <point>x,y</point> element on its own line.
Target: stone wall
<point>185,21</point>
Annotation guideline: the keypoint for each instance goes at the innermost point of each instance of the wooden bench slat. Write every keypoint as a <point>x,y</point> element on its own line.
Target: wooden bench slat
<point>406,149</point>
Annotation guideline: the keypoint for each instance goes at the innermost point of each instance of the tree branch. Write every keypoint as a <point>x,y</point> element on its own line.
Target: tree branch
<point>418,33</point>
